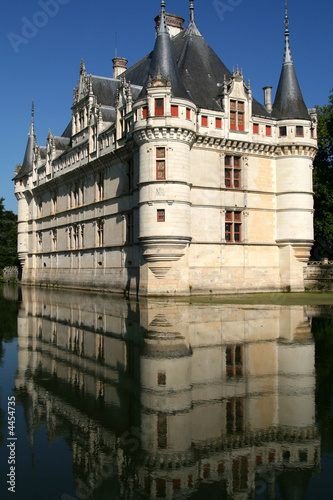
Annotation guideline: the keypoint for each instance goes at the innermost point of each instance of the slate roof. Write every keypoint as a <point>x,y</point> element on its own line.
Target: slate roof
<point>200,69</point>
<point>27,164</point>
<point>289,103</point>
<point>163,60</point>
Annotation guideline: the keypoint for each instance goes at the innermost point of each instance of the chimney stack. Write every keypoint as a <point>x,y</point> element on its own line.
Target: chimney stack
<point>119,66</point>
<point>268,98</point>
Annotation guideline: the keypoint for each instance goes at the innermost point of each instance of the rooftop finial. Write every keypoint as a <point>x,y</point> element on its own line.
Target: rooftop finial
<point>191,11</point>
<point>163,27</point>
<point>286,20</point>
<point>32,111</point>
<point>287,53</point>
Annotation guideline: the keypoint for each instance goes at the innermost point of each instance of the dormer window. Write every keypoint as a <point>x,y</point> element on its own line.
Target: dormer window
<point>159,107</point>
<point>237,115</point>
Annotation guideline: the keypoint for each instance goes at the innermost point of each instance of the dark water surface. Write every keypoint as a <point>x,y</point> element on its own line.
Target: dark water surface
<point>117,399</point>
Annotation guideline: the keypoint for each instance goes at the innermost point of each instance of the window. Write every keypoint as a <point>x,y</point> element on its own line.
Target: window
<point>233,225</point>
<point>159,107</point>
<point>76,195</point>
<point>82,236</point>
<point>160,488</point>
<point>54,239</point>
<point>235,419</point>
<point>218,122</point>
<point>232,172</point>
<point>39,241</point>
<point>268,130</point>
<point>130,175</point>
<point>283,131</point>
<point>100,186</point>
<point>237,115</point>
<point>299,132</point>
<point>204,121</point>
<point>176,484</point>
<point>145,112</point>
<point>76,236</point>
<point>256,128</point>
<point>188,114</point>
<point>129,229</point>
<point>161,378</point>
<point>174,110</point>
<point>162,430</point>
<point>161,215</point>
<point>160,164</point>
<point>100,232</point>
<point>54,202</point>
<point>234,360</point>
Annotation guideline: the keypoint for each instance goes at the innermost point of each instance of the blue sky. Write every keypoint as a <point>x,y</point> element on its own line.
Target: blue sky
<point>42,45</point>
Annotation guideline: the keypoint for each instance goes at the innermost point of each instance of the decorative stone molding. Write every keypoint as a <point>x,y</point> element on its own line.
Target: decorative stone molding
<point>164,249</point>
<point>148,134</point>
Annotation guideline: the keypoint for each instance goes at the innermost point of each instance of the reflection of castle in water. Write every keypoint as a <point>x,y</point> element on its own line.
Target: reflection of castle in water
<point>171,400</point>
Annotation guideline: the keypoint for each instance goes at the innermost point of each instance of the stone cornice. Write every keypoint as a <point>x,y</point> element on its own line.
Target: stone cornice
<point>251,147</point>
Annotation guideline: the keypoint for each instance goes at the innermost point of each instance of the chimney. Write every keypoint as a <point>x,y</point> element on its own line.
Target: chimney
<point>268,98</point>
<point>119,66</point>
<point>175,24</point>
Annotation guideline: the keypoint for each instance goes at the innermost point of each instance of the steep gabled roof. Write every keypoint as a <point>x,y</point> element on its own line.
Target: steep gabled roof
<point>289,103</point>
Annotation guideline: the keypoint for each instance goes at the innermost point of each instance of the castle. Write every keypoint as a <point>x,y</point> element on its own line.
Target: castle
<point>172,179</point>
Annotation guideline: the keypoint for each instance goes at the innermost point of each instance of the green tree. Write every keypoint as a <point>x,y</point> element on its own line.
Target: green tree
<point>323,181</point>
<point>8,237</point>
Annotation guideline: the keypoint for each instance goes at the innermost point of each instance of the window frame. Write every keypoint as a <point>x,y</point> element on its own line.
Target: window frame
<point>234,168</point>
<point>296,131</point>
<point>174,110</point>
<point>237,112</point>
<point>204,120</point>
<point>160,163</point>
<point>269,130</point>
<point>160,215</point>
<point>256,128</point>
<point>233,219</point>
<point>159,106</point>
<point>218,123</point>
<point>283,131</point>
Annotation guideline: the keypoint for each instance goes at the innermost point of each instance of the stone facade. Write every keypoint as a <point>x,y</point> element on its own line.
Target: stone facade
<point>158,191</point>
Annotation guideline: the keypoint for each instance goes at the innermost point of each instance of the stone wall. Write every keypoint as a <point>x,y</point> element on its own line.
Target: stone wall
<point>319,275</point>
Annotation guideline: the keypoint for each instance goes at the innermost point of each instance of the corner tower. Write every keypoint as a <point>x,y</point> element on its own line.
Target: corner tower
<point>296,138</point>
<point>164,132</point>
<point>22,193</point>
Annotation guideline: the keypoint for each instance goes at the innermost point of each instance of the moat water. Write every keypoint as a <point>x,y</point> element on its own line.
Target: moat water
<point>104,398</point>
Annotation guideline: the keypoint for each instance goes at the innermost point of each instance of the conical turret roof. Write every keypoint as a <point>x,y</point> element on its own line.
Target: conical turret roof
<point>27,164</point>
<point>289,103</point>
<point>163,60</point>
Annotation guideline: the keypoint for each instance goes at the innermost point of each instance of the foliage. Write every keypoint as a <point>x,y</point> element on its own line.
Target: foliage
<point>322,330</point>
<point>8,237</point>
<point>323,180</point>
<point>8,330</point>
